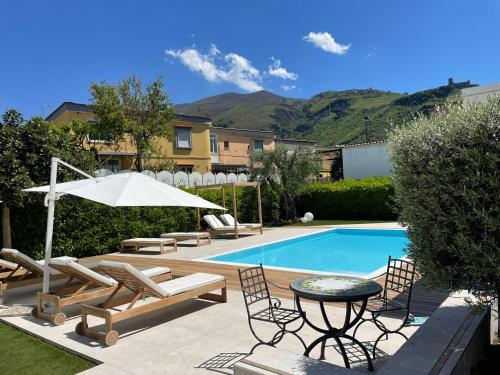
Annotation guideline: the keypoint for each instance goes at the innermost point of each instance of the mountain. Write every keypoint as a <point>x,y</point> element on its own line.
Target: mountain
<point>330,118</point>
<point>245,111</point>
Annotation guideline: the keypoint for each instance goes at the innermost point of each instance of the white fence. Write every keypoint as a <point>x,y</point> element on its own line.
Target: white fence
<point>185,179</point>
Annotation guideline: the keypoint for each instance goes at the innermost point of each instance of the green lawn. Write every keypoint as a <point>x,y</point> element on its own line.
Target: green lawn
<point>23,354</point>
<point>338,222</point>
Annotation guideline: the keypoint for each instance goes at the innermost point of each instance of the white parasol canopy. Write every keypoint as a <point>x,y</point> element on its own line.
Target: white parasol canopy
<point>129,189</point>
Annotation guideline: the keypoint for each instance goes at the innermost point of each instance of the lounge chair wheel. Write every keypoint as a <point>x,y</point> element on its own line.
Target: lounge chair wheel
<point>79,328</point>
<point>59,319</point>
<point>34,312</point>
<point>111,337</point>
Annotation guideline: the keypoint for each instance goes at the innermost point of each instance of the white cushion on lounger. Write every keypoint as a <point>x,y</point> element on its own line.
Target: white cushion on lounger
<point>213,221</point>
<point>229,219</point>
<point>6,264</point>
<point>155,271</point>
<point>35,264</point>
<point>92,275</point>
<point>136,273</point>
<point>186,283</point>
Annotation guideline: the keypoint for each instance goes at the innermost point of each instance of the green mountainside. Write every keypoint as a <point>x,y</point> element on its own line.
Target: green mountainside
<point>331,117</point>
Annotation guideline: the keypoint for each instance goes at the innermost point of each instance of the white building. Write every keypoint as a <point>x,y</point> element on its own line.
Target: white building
<point>480,93</point>
<point>366,159</point>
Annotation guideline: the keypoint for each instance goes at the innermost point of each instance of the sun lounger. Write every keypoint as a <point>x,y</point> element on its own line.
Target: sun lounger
<point>184,236</point>
<point>137,243</point>
<point>216,227</point>
<point>92,285</point>
<point>7,266</point>
<point>26,272</point>
<point>228,219</point>
<point>155,295</point>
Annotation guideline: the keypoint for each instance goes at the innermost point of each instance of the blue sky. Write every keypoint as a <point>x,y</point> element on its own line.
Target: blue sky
<point>51,51</point>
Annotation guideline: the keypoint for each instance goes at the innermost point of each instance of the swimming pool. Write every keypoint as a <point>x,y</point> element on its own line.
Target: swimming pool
<point>345,251</point>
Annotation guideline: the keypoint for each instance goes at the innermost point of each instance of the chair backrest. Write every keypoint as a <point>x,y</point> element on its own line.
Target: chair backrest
<point>399,277</point>
<point>228,219</point>
<point>132,278</point>
<point>79,272</point>
<point>213,221</point>
<point>23,260</point>
<point>253,285</point>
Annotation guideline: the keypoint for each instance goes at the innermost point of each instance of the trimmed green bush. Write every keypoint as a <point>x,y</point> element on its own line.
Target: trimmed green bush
<point>447,188</point>
<point>368,198</point>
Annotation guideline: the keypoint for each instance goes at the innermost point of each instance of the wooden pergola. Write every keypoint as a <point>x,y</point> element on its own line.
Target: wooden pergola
<point>233,186</point>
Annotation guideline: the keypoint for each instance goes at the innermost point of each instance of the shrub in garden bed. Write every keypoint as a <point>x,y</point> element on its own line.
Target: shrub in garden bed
<point>368,198</point>
<point>446,173</point>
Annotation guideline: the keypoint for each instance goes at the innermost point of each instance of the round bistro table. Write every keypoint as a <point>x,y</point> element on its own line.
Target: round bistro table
<point>343,289</point>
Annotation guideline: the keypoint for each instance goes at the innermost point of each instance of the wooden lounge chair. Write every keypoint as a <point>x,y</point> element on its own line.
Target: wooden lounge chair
<point>7,266</point>
<point>137,243</point>
<point>216,227</point>
<point>156,295</point>
<point>228,219</point>
<point>93,285</point>
<point>27,270</point>
<point>184,236</point>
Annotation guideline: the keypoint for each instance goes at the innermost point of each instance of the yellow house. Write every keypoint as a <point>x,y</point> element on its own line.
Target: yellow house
<point>188,150</point>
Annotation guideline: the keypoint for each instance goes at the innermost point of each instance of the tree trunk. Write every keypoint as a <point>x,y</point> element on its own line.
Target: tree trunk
<point>288,212</point>
<point>138,160</point>
<point>6,232</point>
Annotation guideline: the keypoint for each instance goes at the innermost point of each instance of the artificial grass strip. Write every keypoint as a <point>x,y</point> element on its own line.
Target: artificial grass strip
<point>21,353</point>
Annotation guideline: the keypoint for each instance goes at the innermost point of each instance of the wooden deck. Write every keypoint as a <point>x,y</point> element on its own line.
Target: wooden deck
<point>423,303</point>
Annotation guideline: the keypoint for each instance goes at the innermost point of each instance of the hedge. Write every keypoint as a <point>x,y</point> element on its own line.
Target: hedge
<point>369,198</point>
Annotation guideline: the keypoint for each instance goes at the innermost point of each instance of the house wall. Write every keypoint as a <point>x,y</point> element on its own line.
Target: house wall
<point>240,147</point>
<point>480,93</point>
<point>295,145</point>
<point>198,156</point>
<point>366,160</point>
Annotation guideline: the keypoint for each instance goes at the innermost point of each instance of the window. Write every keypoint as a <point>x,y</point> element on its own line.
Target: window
<point>95,135</point>
<point>226,145</point>
<point>183,138</point>
<point>185,168</point>
<point>213,144</point>
<point>259,145</point>
<point>111,164</point>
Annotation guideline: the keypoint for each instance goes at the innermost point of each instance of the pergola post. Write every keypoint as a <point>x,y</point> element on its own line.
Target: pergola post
<point>259,203</point>
<point>198,214</point>
<point>235,213</point>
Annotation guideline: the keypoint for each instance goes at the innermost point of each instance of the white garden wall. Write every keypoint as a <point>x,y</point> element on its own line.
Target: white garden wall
<point>371,159</point>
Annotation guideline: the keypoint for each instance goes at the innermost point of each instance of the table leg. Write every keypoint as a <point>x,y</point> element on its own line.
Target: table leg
<point>335,333</point>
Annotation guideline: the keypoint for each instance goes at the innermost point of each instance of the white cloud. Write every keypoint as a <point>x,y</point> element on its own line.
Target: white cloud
<point>288,87</point>
<point>276,70</point>
<point>326,42</point>
<point>232,68</point>
<point>214,51</point>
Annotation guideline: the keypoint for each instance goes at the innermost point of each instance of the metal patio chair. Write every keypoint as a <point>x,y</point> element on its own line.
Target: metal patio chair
<point>262,307</point>
<point>399,279</point>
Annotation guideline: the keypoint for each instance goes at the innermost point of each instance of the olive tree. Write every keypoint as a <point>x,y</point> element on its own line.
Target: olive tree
<point>129,110</point>
<point>285,172</point>
<point>446,175</point>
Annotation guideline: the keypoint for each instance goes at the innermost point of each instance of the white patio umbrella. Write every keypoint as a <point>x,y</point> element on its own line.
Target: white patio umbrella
<point>129,189</point>
<point>126,189</point>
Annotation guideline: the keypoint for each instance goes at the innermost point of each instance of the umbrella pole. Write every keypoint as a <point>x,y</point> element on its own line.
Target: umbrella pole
<point>51,201</point>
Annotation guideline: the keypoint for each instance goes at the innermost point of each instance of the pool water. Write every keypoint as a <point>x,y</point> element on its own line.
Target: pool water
<point>346,251</point>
